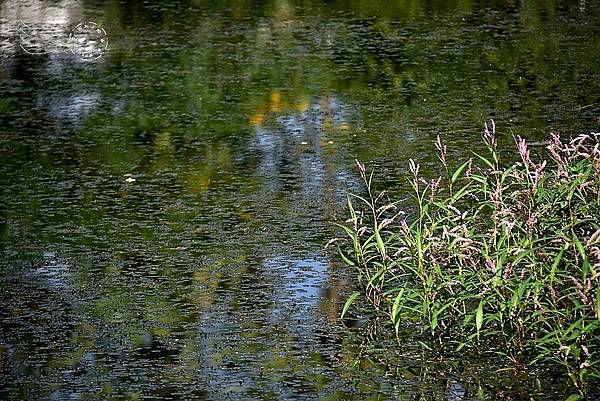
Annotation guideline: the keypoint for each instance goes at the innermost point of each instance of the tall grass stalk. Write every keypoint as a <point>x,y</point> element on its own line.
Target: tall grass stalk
<point>506,257</point>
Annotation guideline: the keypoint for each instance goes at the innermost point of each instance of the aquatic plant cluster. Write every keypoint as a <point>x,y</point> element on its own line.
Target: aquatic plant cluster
<point>493,259</point>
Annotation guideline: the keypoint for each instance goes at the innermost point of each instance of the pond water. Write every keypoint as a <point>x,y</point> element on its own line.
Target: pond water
<point>166,192</point>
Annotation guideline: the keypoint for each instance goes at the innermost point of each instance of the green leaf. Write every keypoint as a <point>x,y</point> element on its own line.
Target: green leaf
<point>479,316</point>
<point>396,305</point>
<point>485,160</point>
<point>424,345</point>
<point>518,294</point>
<point>351,210</point>
<point>501,260</point>
<point>460,193</point>
<point>481,393</point>
<point>362,199</point>
<point>378,276</point>
<point>348,303</point>
<point>351,234</point>
<point>574,397</point>
<point>557,260</point>
<point>434,318</point>
<point>598,301</point>
<point>458,171</point>
<point>345,258</point>
<point>396,310</point>
<point>506,173</point>
<point>380,244</point>
<point>586,262</point>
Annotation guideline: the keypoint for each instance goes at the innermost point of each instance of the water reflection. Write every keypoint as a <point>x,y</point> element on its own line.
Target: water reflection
<point>163,210</point>
<point>37,27</point>
<point>299,146</point>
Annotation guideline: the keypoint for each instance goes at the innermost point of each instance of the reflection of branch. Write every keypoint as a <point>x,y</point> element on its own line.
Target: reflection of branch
<point>32,40</point>
<point>23,24</point>
<point>21,21</point>
<point>87,40</point>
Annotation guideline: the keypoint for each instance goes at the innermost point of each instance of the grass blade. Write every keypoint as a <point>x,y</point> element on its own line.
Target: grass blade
<point>479,316</point>
<point>348,303</point>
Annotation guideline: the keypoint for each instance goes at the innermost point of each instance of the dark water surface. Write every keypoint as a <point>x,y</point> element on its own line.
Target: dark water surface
<point>164,207</point>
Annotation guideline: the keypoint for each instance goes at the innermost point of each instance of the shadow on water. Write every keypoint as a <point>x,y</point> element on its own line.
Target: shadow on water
<point>164,206</point>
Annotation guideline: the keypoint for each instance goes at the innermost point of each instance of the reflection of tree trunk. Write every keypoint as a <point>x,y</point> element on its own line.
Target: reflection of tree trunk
<point>19,69</point>
<point>335,294</point>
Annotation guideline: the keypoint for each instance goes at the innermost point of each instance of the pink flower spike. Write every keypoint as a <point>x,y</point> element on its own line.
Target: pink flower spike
<point>537,175</point>
<point>490,137</point>
<point>469,172</point>
<point>523,150</point>
<point>414,168</point>
<point>442,150</point>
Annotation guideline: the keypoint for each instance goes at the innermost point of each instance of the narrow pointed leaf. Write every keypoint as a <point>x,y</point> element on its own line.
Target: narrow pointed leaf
<point>458,171</point>
<point>348,303</point>
<point>598,301</point>
<point>479,317</point>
